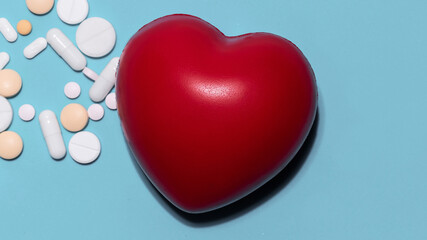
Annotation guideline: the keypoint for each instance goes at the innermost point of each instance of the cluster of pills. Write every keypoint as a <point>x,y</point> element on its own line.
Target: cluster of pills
<point>95,37</point>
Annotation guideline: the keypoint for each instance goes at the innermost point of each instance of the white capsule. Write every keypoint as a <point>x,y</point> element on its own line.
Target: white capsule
<point>7,30</point>
<point>4,59</point>
<point>105,82</point>
<point>52,134</point>
<point>34,48</point>
<point>66,49</point>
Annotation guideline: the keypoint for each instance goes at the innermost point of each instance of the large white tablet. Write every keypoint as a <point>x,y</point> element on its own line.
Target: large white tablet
<point>72,11</point>
<point>6,114</point>
<point>96,37</point>
<point>84,147</point>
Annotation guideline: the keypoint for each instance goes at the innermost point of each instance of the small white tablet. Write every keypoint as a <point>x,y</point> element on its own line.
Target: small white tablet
<point>84,147</point>
<point>72,11</point>
<point>96,112</point>
<point>96,37</point>
<point>26,112</point>
<point>72,90</point>
<point>110,101</point>
<point>6,114</point>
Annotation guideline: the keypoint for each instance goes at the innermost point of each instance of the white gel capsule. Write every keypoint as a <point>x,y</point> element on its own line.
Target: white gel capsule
<point>66,49</point>
<point>4,59</point>
<point>34,48</point>
<point>52,134</point>
<point>7,30</point>
<point>105,82</point>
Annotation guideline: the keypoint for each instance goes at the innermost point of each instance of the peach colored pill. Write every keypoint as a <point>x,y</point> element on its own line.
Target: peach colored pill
<point>24,27</point>
<point>39,7</point>
<point>74,117</point>
<point>10,83</point>
<point>10,145</point>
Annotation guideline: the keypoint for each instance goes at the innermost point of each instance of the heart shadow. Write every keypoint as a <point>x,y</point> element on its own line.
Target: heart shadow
<point>244,205</point>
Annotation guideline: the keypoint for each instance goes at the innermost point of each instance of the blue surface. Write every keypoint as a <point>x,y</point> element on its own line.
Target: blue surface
<point>361,176</point>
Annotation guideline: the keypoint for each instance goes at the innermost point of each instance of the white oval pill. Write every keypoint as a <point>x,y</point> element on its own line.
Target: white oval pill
<point>72,90</point>
<point>110,101</point>
<point>6,114</point>
<point>105,82</point>
<point>34,48</point>
<point>89,73</point>
<point>52,134</point>
<point>96,112</point>
<point>66,49</point>
<point>4,59</point>
<point>84,147</point>
<point>27,112</point>
<point>7,30</point>
<point>72,11</point>
<point>96,37</point>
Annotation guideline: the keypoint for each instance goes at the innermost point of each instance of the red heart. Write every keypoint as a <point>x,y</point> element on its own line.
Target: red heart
<point>210,118</point>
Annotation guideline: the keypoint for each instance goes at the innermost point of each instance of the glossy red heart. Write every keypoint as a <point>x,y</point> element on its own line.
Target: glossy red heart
<point>210,118</point>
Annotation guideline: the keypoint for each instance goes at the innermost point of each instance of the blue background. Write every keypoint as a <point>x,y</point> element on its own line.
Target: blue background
<point>361,175</point>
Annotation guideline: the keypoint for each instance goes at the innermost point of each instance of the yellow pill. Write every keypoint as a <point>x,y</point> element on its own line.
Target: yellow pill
<point>39,7</point>
<point>11,145</point>
<point>74,117</point>
<point>10,83</point>
<point>24,27</point>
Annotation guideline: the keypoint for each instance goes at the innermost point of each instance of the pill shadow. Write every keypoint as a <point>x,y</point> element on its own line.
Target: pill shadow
<point>244,205</point>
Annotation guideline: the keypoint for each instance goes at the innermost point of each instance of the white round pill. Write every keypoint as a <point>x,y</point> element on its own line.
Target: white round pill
<point>96,112</point>
<point>96,37</point>
<point>72,90</point>
<point>110,101</point>
<point>4,59</point>
<point>84,147</point>
<point>89,73</point>
<point>72,11</point>
<point>27,112</point>
<point>6,114</point>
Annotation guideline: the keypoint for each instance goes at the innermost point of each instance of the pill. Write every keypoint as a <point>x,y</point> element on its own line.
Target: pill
<point>34,48</point>
<point>52,134</point>
<point>72,90</point>
<point>84,147</point>
<point>39,7</point>
<point>66,49</point>
<point>95,37</point>
<point>24,27</point>
<point>11,145</point>
<point>26,112</point>
<point>10,83</point>
<point>96,112</point>
<point>110,101</point>
<point>6,114</point>
<point>4,59</point>
<point>105,82</point>
<point>7,30</point>
<point>89,73</point>
<point>72,11</point>
<point>74,117</point>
